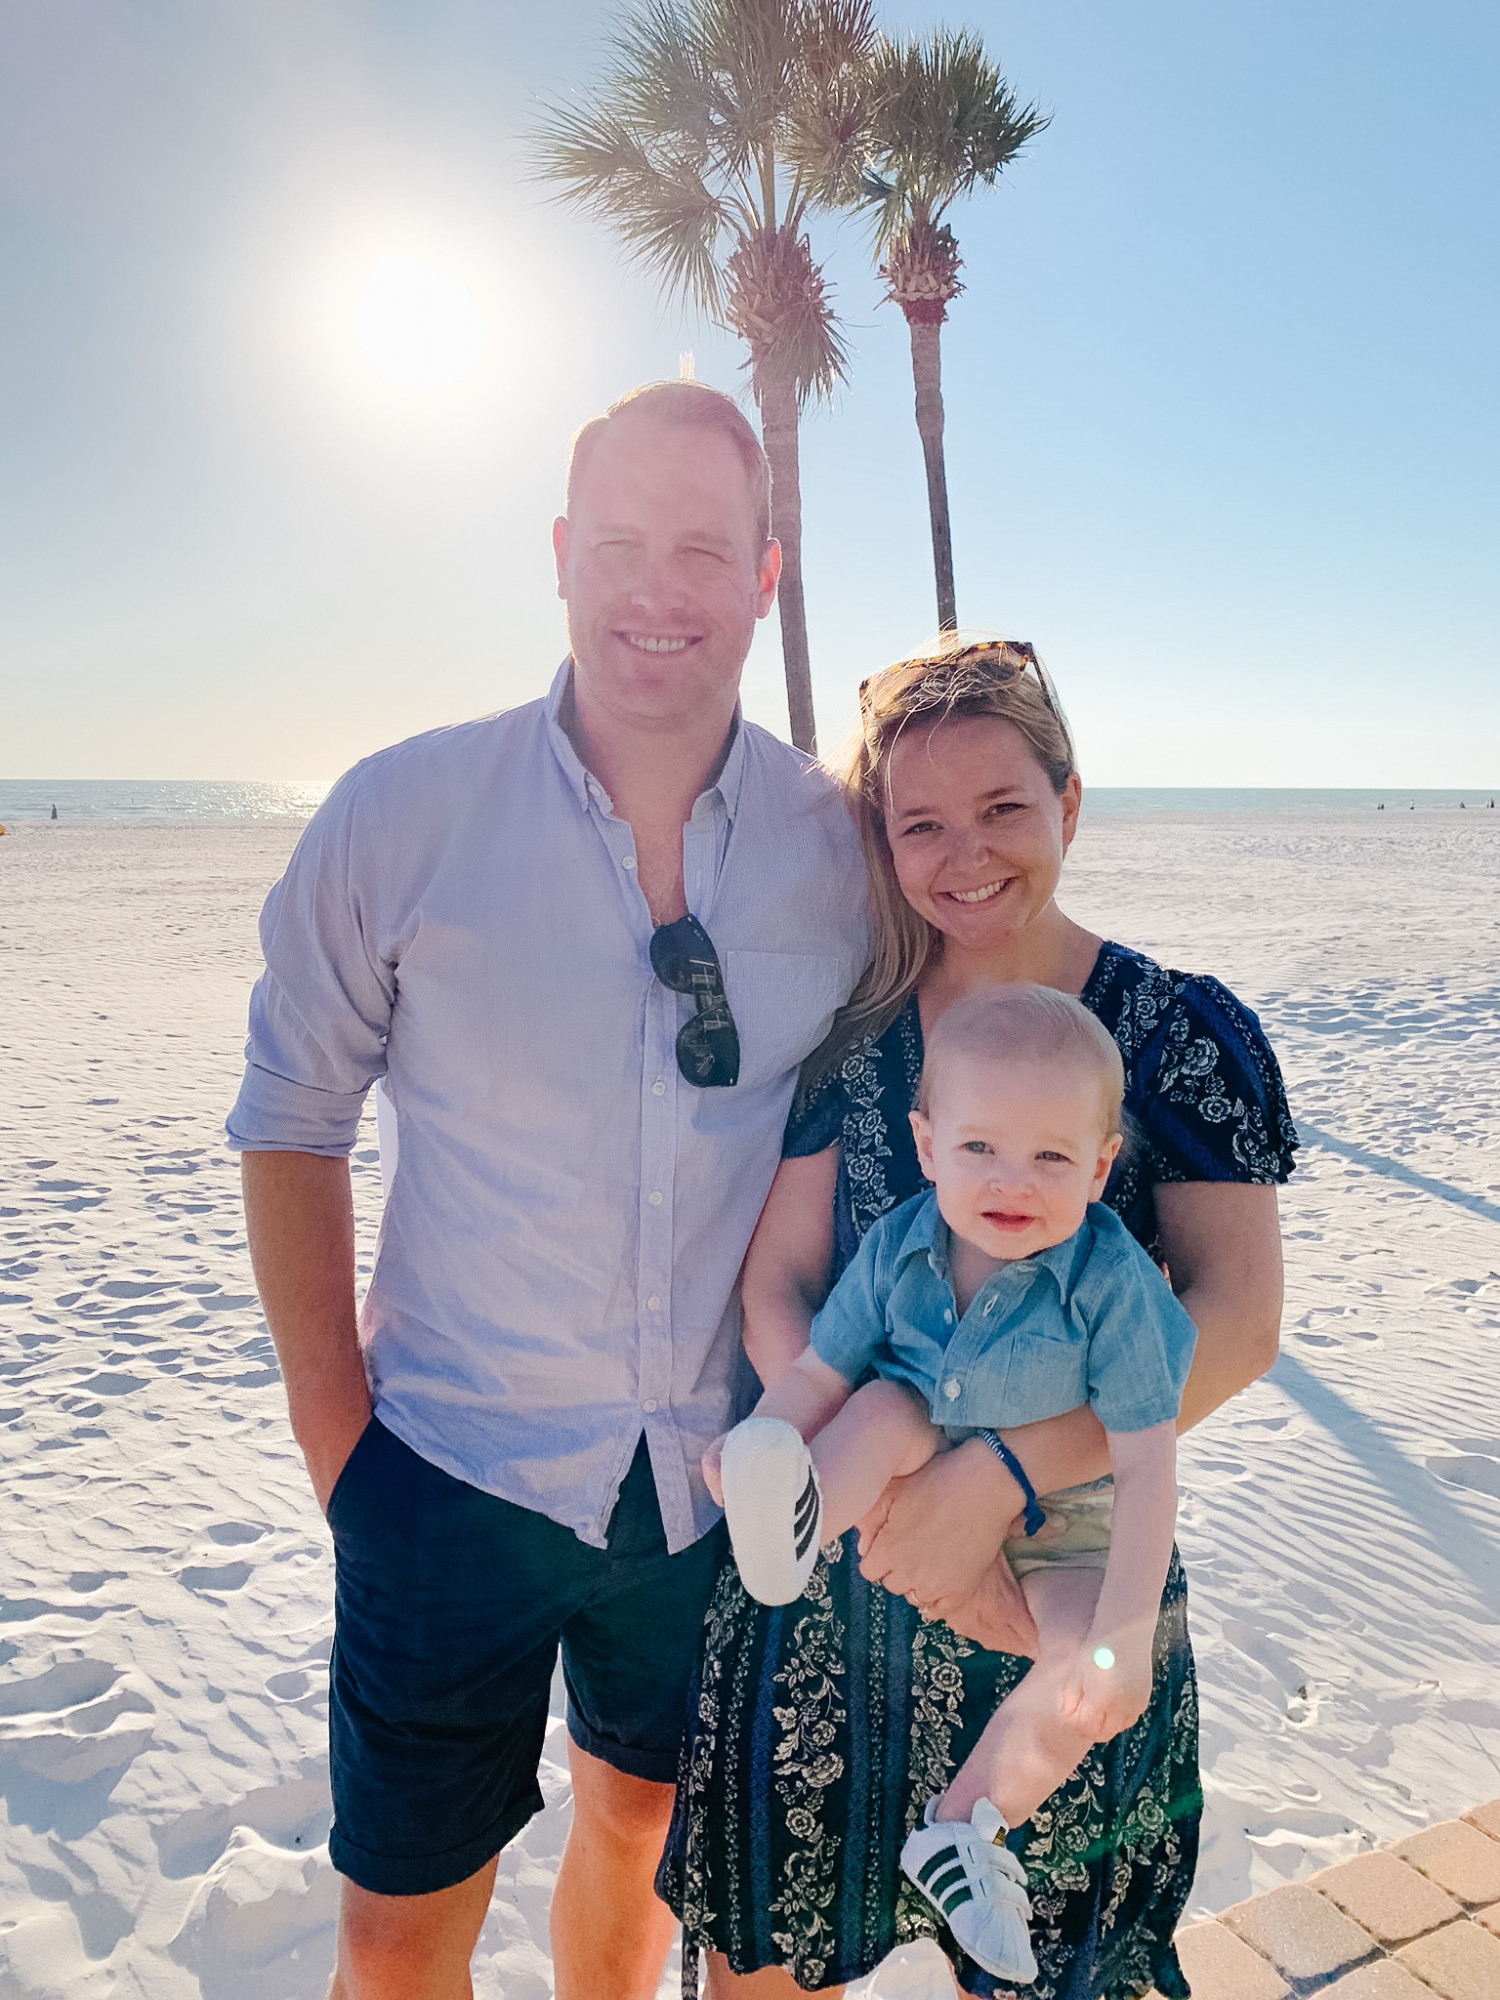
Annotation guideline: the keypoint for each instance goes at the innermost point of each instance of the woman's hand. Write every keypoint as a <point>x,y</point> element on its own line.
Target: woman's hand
<point>934,1538</point>
<point>995,1614</point>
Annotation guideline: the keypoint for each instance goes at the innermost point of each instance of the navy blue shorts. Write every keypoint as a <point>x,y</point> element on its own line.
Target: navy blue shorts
<point>449,1611</point>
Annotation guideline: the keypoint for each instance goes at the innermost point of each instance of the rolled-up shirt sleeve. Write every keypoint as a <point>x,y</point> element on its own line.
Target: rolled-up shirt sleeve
<point>320,1013</point>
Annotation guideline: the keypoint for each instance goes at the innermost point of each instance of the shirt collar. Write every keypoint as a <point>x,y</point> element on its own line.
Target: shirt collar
<point>927,1235</point>
<point>726,787</point>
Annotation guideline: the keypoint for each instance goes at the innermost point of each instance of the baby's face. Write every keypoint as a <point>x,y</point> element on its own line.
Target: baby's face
<point>1017,1150</point>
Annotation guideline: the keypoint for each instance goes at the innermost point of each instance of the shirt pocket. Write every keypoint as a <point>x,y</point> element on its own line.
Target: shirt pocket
<point>1045,1373</point>
<point>783,1003</point>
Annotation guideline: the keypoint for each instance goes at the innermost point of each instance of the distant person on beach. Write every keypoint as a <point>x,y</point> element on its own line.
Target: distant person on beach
<point>1009,1282</point>
<point>818,1731</point>
<point>586,945</point>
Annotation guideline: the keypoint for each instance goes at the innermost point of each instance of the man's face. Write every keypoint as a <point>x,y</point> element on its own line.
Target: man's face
<point>663,575</point>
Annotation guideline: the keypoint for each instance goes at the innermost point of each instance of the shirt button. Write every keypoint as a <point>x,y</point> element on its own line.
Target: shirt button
<point>658,1089</point>
<point>654,1197</point>
<point>953,1388</point>
<point>649,1405</point>
<point>653,1304</point>
<point>628,862</point>
<point>947,1319</point>
<point>989,1305</point>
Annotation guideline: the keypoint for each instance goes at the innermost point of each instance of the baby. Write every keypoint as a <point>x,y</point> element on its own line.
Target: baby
<point>1004,1295</point>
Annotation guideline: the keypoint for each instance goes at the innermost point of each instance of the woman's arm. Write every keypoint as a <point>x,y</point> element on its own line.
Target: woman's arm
<point>785,1278</point>
<point>1221,1242</point>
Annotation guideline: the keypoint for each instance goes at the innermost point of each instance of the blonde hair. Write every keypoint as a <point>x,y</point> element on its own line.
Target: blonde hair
<point>960,678</point>
<point>1022,1023</point>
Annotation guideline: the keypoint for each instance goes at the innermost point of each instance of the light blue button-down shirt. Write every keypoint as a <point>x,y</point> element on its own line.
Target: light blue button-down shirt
<point>558,1259</point>
<point>1091,1320</point>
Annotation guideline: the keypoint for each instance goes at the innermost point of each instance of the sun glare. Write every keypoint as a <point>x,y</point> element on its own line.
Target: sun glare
<point>417,325</point>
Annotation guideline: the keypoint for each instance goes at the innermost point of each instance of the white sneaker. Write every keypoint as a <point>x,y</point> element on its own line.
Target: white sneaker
<point>976,1885</point>
<point>774,1507</point>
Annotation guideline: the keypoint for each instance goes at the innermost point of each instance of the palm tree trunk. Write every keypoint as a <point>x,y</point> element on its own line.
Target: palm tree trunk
<point>778,419</point>
<point>926,329</point>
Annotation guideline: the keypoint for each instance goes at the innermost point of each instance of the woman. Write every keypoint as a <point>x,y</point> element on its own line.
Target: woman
<point>818,1730</point>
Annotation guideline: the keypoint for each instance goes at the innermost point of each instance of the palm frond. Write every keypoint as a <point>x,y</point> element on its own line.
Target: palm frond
<point>945,121</point>
<point>828,126</point>
<point>659,81</point>
<point>716,124</point>
<point>656,200</point>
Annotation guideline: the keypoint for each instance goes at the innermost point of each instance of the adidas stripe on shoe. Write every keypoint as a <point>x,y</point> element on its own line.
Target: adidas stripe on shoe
<point>977,1886</point>
<point>774,1507</point>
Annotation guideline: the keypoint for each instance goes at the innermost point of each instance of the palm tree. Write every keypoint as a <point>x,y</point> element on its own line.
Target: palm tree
<point>944,122</point>
<point>718,127</point>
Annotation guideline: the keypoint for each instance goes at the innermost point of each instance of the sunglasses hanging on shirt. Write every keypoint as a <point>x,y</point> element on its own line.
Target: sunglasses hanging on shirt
<point>708,1046</point>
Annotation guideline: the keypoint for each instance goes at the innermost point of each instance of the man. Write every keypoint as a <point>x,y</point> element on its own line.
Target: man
<point>586,945</point>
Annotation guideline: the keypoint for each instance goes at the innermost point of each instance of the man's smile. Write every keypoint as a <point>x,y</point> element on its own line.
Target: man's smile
<point>654,642</point>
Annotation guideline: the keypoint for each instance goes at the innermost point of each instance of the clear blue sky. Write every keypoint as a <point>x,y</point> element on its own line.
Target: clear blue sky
<point>1222,391</point>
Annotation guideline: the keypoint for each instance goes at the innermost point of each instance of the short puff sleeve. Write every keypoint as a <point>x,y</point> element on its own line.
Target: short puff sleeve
<point>1209,1103</point>
<point>816,1119</point>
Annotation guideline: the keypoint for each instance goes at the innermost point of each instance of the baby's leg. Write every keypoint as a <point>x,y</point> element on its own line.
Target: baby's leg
<point>1028,1747</point>
<point>882,1433</point>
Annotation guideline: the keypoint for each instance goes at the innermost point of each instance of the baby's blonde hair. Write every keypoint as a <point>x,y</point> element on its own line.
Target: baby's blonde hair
<point>1029,1024</point>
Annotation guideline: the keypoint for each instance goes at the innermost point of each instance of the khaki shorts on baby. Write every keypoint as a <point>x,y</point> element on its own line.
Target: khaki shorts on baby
<point>1075,1534</point>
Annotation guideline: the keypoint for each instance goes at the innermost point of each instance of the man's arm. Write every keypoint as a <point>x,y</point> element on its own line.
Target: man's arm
<point>299,1213</point>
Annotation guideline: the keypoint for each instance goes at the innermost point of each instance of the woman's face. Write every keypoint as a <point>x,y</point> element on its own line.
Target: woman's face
<point>977,833</point>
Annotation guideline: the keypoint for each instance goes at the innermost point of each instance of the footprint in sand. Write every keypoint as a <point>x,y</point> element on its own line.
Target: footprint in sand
<point>294,1817</point>
<point>1480,1475</point>
<point>290,1686</point>
<point>66,1737</point>
<point>210,1578</point>
<point>1302,1707</point>
<point>260,1907</point>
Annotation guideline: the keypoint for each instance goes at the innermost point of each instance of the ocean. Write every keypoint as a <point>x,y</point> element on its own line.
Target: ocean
<point>214,799</point>
<point>158,798</point>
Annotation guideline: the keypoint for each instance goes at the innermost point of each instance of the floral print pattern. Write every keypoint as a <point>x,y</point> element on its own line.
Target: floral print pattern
<point>818,1731</point>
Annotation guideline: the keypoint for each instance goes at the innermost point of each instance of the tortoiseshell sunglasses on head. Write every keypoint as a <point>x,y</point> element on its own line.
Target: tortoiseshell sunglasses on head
<point>1012,655</point>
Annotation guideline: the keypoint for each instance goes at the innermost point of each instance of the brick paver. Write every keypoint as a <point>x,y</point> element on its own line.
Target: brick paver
<point>1387,1896</point>
<point>1461,1962</point>
<point>1302,1933</point>
<point>1384,1926</point>
<point>1220,1967</point>
<point>1382,1980</point>
<point>1459,1858</point>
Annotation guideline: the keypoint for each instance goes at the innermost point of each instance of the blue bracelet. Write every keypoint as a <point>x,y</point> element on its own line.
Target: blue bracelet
<point>1033,1518</point>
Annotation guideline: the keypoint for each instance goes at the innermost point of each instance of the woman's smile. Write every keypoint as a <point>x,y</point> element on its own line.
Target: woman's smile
<point>978,895</point>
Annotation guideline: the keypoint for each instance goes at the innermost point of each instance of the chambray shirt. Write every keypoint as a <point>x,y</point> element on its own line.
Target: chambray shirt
<point>1091,1320</point>
<point>560,1246</point>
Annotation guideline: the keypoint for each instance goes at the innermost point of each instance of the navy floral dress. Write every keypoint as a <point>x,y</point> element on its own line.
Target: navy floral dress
<point>818,1731</point>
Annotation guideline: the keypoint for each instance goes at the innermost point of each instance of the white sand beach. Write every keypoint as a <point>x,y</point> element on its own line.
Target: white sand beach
<point>166,1611</point>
